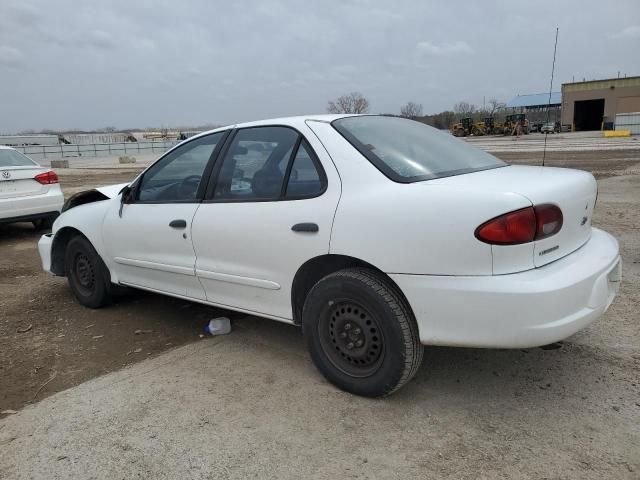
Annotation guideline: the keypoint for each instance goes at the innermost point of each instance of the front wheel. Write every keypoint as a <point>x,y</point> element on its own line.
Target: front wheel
<point>88,276</point>
<point>361,333</point>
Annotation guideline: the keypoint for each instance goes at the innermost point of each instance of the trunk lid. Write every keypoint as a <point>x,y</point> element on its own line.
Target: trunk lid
<point>19,182</point>
<point>574,191</point>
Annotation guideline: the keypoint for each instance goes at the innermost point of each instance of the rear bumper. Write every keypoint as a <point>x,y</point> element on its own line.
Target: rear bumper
<point>526,309</point>
<point>31,217</point>
<point>17,209</point>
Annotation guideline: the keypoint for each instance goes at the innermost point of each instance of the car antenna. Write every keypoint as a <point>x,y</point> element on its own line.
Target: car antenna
<point>553,68</point>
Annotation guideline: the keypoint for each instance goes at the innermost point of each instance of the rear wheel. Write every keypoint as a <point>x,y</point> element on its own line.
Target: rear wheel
<point>361,333</point>
<point>87,274</point>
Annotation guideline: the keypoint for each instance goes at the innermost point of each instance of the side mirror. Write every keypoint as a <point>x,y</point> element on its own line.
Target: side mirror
<point>126,193</point>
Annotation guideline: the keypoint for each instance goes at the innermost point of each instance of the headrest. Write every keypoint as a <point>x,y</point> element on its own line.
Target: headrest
<point>238,150</point>
<point>267,183</point>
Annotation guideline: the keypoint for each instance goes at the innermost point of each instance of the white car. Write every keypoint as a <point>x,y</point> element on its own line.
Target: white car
<point>548,128</point>
<point>375,234</point>
<point>28,192</point>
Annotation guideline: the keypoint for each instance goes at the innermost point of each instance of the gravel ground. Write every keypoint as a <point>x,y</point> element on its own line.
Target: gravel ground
<point>570,412</point>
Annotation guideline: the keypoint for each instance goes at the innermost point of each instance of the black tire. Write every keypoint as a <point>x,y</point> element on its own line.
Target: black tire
<point>361,333</point>
<point>87,274</point>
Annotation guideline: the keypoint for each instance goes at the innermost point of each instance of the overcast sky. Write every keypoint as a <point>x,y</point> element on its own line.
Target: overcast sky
<point>70,64</point>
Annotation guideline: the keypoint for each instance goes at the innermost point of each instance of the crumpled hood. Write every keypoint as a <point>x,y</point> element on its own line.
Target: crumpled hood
<point>97,194</point>
<point>111,191</point>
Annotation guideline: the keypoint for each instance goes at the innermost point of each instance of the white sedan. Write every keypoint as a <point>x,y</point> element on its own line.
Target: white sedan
<point>28,192</point>
<point>375,234</point>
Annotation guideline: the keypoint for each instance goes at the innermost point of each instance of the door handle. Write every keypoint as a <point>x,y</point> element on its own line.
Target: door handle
<point>305,227</point>
<point>178,224</point>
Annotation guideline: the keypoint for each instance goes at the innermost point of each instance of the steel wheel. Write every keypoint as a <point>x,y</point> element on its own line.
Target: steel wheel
<point>84,272</point>
<point>351,338</point>
<point>88,276</point>
<point>361,333</point>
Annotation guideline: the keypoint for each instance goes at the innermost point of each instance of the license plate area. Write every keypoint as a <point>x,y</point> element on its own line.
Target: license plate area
<point>7,187</point>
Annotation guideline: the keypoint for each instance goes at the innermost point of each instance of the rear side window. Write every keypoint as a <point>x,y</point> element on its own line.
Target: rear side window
<point>13,158</point>
<point>255,164</point>
<point>409,151</point>
<point>306,178</point>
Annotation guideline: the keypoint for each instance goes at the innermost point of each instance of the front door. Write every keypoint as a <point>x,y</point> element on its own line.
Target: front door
<point>148,239</point>
<point>270,209</point>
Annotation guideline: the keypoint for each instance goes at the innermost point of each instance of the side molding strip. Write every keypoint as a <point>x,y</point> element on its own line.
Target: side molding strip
<point>156,266</point>
<point>248,281</point>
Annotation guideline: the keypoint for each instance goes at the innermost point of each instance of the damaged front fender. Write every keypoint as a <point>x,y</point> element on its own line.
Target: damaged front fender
<point>94,195</point>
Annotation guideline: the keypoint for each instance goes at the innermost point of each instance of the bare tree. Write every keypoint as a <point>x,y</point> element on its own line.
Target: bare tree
<point>445,119</point>
<point>465,109</point>
<point>495,107</point>
<point>351,103</point>
<point>411,110</point>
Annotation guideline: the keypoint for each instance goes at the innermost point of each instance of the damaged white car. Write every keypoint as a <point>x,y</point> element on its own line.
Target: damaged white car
<point>377,235</point>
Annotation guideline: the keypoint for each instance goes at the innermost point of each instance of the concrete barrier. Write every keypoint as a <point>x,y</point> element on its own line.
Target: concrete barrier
<point>59,163</point>
<point>616,133</point>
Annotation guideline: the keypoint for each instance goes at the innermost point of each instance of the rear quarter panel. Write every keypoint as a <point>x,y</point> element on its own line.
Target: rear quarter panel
<point>419,228</point>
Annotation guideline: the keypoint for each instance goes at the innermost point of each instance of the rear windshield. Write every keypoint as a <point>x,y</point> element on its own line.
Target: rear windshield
<point>13,158</point>
<point>409,151</point>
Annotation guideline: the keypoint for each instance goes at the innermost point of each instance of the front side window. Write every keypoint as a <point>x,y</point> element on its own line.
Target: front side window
<point>13,158</point>
<point>177,177</point>
<point>409,151</point>
<point>255,164</point>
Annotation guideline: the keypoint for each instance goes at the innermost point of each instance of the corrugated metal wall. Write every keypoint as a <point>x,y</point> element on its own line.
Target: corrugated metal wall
<point>628,121</point>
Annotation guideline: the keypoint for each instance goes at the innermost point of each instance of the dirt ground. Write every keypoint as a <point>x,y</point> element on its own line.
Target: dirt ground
<point>48,342</point>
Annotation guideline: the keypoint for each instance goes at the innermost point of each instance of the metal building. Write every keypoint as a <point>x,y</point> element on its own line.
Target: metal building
<point>536,101</point>
<point>594,104</point>
<point>539,107</point>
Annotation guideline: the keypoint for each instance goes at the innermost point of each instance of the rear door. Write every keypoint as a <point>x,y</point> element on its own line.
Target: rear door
<point>270,208</point>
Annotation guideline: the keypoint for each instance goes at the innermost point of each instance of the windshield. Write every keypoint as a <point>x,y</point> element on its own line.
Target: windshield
<point>409,151</point>
<point>13,158</point>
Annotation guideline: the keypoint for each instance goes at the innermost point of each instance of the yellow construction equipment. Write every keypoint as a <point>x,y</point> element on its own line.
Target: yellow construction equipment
<point>462,128</point>
<point>466,127</point>
<point>491,127</point>
<point>516,124</point>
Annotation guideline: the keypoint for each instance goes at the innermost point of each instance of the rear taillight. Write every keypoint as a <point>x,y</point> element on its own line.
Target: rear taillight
<point>46,178</point>
<point>521,226</point>
<point>509,229</point>
<point>548,220</point>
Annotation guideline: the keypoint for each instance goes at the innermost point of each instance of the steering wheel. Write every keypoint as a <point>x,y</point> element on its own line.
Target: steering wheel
<point>189,186</point>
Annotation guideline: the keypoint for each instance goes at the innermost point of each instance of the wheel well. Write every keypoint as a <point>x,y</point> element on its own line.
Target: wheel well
<point>315,269</point>
<point>59,248</point>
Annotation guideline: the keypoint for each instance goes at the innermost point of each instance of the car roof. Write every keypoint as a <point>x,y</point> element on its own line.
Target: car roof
<point>300,118</point>
<point>6,147</point>
<point>280,121</point>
